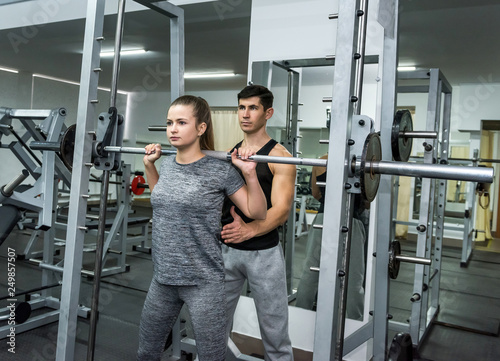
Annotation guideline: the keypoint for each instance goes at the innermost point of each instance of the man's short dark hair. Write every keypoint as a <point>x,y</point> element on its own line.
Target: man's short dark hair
<point>265,95</point>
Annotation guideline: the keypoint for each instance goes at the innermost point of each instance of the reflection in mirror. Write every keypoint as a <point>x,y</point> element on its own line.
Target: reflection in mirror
<point>315,84</point>
<point>308,284</point>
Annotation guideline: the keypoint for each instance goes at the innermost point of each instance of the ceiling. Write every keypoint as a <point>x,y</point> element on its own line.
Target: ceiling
<point>458,36</point>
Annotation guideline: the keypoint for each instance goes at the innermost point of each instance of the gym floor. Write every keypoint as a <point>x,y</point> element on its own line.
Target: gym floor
<point>466,327</point>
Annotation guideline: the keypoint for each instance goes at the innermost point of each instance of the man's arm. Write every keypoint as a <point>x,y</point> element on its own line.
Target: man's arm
<point>282,194</point>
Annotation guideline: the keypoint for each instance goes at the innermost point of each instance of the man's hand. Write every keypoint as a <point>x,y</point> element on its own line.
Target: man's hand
<point>237,231</point>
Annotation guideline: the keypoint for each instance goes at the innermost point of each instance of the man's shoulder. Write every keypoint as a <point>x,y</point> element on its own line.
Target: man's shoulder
<point>279,151</point>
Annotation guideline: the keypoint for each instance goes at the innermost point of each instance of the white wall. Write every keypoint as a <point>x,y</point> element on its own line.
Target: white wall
<point>476,102</point>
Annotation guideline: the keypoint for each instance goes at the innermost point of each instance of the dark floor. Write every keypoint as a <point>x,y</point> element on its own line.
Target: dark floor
<point>469,303</point>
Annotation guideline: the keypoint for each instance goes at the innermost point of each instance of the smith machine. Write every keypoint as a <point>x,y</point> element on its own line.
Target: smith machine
<point>360,156</point>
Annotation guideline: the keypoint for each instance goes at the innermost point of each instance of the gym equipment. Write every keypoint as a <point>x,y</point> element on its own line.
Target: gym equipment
<point>8,189</point>
<point>19,314</point>
<point>401,142</point>
<point>9,215</point>
<point>401,348</point>
<point>395,258</point>
<point>370,166</point>
<point>138,185</point>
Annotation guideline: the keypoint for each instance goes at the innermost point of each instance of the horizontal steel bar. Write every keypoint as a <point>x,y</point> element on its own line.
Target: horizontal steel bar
<point>271,159</point>
<point>435,171</point>
<point>132,150</point>
<point>419,134</point>
<point>417,260</point>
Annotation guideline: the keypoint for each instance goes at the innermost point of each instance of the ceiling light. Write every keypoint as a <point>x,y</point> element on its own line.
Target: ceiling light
<point>108,54</point>
<point>72,82</point>
<point>407,68</point>
<point>9,70</point>
<point>207,75</point>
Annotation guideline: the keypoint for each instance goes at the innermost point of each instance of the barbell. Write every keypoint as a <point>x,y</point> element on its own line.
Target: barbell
<point>369,167</point>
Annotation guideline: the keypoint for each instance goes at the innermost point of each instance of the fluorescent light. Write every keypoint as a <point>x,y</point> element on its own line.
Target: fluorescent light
<point>9,70</point>
<point>72,82</point>
<point>208,75</point>
<point>407,68</point>
<point>107,54</point>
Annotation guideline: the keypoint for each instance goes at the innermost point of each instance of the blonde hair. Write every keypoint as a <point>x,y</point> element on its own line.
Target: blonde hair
<point>201,111</point>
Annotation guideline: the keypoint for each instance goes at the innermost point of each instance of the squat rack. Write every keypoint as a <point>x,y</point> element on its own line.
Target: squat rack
<point>329,336</point>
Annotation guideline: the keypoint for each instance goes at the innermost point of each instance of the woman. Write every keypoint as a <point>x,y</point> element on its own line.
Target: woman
<point>187,197</point>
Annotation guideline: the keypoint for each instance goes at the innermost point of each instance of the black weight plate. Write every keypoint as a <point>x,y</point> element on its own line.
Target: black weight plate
<point>401,348</point>
<point>401,146</point>
<point>372,152</point>
<point>22,312</point>
<point>393,262</point>
<point>68,146</point>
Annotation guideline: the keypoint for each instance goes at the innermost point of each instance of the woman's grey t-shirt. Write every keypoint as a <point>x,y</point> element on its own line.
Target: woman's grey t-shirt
<point>187,205</point>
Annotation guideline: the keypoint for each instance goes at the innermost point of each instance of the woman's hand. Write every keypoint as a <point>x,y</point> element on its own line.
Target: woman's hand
<point>240,158</point>
<point>152,153</point>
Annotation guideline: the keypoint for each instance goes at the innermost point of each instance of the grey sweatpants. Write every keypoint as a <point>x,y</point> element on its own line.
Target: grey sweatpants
<point>207,309</point>
<point>265,272</point>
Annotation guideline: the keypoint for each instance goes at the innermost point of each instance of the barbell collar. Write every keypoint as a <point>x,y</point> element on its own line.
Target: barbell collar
<point>419,134</point>
<point>434,171</point>
<point>416,260</point>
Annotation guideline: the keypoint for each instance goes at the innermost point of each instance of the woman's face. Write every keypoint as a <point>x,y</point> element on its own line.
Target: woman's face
<point>181,126</point>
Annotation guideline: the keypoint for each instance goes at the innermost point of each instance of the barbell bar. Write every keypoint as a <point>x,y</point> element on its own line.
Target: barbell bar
<point>435,171</point>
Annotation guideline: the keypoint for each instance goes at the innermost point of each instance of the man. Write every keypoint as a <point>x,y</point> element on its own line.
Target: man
<point>253,251</point>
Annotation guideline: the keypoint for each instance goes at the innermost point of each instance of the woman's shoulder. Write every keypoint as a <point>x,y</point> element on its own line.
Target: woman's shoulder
<point>214,162</point>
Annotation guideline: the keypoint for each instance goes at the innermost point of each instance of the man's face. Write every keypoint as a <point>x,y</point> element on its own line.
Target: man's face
<point>252,115</point>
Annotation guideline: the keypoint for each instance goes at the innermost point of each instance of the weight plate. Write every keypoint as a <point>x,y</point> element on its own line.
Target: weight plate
<point>68,146</point>
<point>372,152</point>
<point>393,262</point>
<point>135,185</point>
<point>401,146</point>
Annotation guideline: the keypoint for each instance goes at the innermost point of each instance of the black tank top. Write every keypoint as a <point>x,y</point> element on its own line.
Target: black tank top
<point>265,177</point>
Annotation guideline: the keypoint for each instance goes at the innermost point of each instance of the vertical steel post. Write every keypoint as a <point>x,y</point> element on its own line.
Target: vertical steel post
<point>384,229</point>
<point>101,228</point>
<point>80,181</point>
<point>330,314</point>
<point>435,283</point>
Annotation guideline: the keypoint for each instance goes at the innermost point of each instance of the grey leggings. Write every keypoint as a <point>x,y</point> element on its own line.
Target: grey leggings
<point>207,308</point>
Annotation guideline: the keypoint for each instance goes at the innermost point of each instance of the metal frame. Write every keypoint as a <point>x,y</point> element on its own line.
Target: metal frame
<point>82,154</point>
<point>335,244</point>
<point>42,198</point>
<point>425,300</point>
